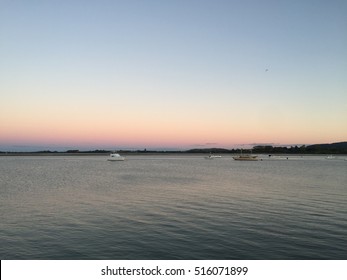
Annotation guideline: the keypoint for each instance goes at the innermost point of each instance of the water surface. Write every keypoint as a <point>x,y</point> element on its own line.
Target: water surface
<point>172,207</point>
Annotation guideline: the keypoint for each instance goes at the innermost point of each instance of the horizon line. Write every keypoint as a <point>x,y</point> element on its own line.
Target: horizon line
<point>61,149</point>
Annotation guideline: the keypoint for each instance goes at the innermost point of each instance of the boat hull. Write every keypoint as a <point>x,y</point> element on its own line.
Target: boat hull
<point>244,158</point>
<point>116,159</point>
<point>212,157</point>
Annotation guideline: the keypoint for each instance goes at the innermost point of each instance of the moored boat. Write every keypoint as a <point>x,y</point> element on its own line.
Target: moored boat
<point>246,158</point>
<point>115,157</point>
<point>212,157</point>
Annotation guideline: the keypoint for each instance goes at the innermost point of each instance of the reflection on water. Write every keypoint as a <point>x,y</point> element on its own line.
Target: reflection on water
<point>180,207</point>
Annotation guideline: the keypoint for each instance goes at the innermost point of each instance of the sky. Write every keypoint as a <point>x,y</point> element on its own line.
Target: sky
<point>176,74</point>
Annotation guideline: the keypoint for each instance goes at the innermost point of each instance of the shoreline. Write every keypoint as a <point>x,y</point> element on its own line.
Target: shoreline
<point>128,153</point>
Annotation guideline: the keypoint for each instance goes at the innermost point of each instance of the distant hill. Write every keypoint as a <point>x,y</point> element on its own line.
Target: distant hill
<point>334,148</point>
<point>209,150</point>
<point>339,147</point>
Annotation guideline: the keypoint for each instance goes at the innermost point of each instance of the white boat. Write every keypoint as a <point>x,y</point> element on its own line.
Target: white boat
<point>330,157</point>
<point>115,157</point>
<point>212,157</point>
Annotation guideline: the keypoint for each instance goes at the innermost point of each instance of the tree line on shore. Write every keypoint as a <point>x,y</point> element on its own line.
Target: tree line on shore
<point>334,148</point>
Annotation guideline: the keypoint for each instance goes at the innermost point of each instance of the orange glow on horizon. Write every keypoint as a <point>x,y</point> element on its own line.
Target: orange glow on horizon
<point>165,127</point>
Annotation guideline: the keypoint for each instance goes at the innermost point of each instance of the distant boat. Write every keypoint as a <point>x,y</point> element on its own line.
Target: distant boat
<point>330,157</point>
<point>246,157</point>
<point>212,157</point>
<point>115,157</point>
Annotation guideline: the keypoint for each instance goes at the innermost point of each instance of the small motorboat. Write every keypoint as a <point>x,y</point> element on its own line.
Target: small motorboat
<point>212,157</point>
<point>115,157</point>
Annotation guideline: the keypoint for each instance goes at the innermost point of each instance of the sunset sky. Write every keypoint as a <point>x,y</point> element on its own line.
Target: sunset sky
<point>172,74</point>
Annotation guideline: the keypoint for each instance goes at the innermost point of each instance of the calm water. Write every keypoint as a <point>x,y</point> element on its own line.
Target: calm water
<point>167,207</point>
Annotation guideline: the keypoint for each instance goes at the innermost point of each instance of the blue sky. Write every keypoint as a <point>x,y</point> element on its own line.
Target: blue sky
<point>172,73</point>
